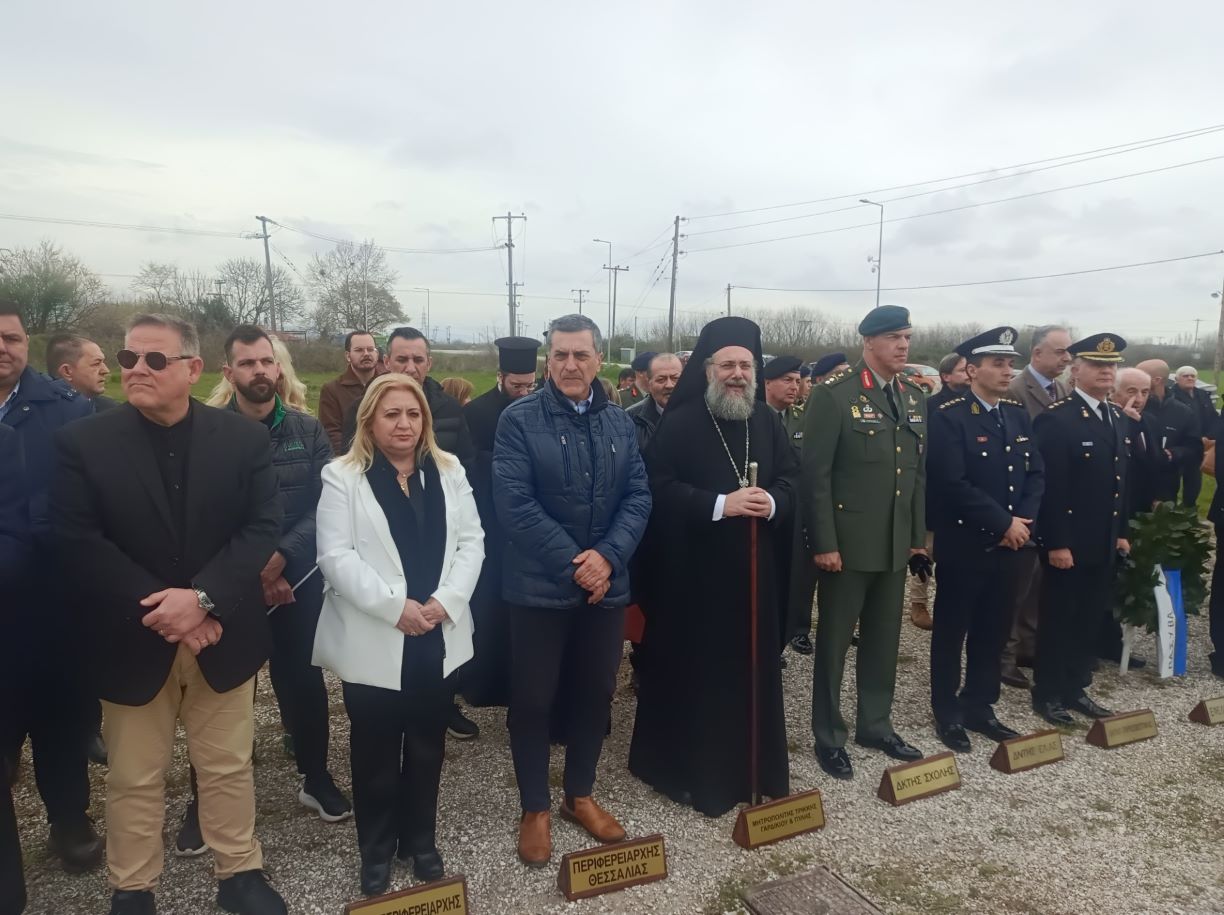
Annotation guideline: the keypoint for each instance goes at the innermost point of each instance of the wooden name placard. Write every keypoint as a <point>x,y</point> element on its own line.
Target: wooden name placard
<point>1118,730</point>
<point>442,897</point>
<point>1028,752</point>
<point>924,778</point>
<point>608,868</point>
<point>778,820</point>
<point>1209,711</point>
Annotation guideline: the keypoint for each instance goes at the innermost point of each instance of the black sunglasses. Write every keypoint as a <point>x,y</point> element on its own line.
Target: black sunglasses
<point>154,360</point>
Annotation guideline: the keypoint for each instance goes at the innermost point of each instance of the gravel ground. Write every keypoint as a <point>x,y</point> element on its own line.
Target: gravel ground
<point>1137,829</point>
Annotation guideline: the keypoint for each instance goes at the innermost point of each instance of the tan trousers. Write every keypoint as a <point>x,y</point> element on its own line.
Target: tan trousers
<point>220,729</point>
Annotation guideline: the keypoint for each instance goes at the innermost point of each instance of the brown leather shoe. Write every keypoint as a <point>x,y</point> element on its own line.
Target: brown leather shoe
<point>1014,676</point>
<point>593,818</point>
<point>920,616</point>
<point>535,838</point>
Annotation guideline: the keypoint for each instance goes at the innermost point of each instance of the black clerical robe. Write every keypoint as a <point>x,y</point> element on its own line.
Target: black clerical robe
<point>692,727</point>
<point>487,682</point>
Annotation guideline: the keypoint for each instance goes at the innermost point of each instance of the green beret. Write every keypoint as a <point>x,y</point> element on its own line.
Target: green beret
<point>883,319</point>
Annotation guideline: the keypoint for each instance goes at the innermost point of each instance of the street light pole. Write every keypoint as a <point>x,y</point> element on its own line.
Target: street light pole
<point>879,267</point>
<point>608,336</point>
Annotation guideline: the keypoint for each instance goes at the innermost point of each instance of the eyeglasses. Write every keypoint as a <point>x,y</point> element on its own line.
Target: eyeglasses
<point>155,361</point>
<point>745,367</point>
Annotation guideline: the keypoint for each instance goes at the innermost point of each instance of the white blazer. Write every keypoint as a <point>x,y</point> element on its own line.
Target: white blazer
<point>364,588</point>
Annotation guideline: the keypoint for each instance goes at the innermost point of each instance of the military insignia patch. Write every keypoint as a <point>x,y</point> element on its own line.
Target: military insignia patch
<point>974,409</point>
<point>855,411</point>
<point>1007,338</point>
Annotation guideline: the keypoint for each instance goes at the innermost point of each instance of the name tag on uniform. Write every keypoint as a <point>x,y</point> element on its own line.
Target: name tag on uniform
<point>797,435</point>
<point>915,418</point>
<point>983,438</point>
<point>1022,438</point>
<point>1087,444</point>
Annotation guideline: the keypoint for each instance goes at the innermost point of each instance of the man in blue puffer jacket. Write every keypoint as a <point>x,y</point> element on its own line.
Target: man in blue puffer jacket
<point>571,493</point>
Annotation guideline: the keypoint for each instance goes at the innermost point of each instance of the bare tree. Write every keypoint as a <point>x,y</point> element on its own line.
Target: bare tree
<point>353,288</point>
<point>244,288</point>
<point>53,288</point>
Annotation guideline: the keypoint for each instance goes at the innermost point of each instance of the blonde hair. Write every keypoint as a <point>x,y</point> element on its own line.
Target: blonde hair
<point>613,394</point>
<point>292,391</point>
<point>458,388</point>
<point>361,454</point>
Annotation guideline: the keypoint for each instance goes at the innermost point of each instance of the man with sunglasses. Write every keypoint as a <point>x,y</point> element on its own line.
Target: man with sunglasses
<point>166,511</point>
<point>50,704</point>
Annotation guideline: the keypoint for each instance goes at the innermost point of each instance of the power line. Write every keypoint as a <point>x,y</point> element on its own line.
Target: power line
<point>1012,279</point>
<point>968,206</point>
<point>94,224</point>
<point>939,190</point>
<point>393,249</point>
<point>1173,137</point>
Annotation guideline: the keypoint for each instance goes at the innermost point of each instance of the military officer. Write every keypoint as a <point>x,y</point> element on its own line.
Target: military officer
<point>864,491</point>
<point>1084,442</point>
<point>984,486</point>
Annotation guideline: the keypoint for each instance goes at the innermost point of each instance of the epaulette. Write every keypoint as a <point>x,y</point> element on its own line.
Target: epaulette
<point>1059,402</point>
<point>951,403</point>
<point>64,389</point>
<point>1014,403</point>
<point>840,376</point>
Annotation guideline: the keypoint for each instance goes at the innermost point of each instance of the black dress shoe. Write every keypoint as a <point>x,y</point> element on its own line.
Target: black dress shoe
<point>802,644</point>
<point>76,844</point>
<point>428,866</point>
<point>461,727</point>
<point>95,749</point>
<point>1015,677</point>
<point>132,902</point>
<point>835,762</point>
<point>249,893</point>
<point>893,746</point>
<point>1054,713</point>
<point>376,877</point>
<point>954,737</point>
<point>1086,706</point>
<point>993,728</point>
<point>681,797</point>
<point>189,843</point>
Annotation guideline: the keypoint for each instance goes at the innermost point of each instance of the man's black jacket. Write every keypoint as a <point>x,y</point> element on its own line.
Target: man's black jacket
<point>1181,436</point>
<point>118,544</point>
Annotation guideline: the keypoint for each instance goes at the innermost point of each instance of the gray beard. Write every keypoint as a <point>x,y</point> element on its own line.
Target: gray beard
<point>731,407</point>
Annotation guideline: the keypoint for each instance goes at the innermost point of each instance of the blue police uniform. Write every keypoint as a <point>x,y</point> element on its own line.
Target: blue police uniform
<point>983,470</point>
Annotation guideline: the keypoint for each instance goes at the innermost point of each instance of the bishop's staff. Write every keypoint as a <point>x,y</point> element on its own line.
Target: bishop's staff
<point>754,726</point>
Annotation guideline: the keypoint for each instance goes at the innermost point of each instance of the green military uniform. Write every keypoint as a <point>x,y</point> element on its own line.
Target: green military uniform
<point>792,421</point>
<point>864,486</point>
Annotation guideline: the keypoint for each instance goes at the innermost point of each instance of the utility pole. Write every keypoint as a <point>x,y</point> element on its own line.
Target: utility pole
<point>671,307</point>
<point>635,336</point>
<point>728,300</point>
<point>268,273</point>
<point>509,217</point>
<point>1219,353</point>
<point>426,291</point>
<point>612,332</point>
<point>604,241</point>
<point>1197,322</point>
<point>581,293</point>
<point>879,266</point>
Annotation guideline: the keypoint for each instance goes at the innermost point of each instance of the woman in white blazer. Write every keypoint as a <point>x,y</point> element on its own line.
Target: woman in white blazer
<point>400,547</point>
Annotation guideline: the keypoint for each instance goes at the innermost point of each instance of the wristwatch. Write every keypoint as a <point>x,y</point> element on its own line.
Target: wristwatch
<point>206,603</point>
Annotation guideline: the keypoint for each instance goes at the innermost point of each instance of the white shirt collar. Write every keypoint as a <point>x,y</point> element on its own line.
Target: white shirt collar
<point>1092,401</point>
<point>1041,379</point>
<point>985,406</point>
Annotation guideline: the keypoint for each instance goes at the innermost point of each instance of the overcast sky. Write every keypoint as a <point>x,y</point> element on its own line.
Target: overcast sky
<point>413,124</point>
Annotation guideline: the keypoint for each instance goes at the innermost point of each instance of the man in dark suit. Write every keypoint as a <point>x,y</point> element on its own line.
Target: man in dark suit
<point>984,486</point>
<point>1081,526</point>
<point>14,551</point>
<point>48,700</point>
<point>954,381</point>
<point>165,513</point>
<point>1181,436</point>
<point>80,362</point>
<point>1036,387</point>
<point>1147,459</point>
<point>1187,391</point>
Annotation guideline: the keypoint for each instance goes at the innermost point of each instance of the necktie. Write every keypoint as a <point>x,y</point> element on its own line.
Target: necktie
<point>892,402</point>
<point>1050,390</point>
<point>1104,411</point>
<point>997,413</point>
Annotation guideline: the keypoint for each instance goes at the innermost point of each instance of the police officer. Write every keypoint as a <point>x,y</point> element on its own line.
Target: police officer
<point>1081,525</point>
<point>984,486</point>
<point>864,491</point>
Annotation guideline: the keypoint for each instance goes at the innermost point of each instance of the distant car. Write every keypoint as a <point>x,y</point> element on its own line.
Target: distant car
<point>925,376</point>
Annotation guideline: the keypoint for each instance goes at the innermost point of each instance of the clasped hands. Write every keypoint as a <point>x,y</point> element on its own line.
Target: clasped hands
<point>276,589</point>
<point>178,617</point>
<point>594,574</point>
<point>417,618</point>
<point>750,502</point>
<point>1018,533</point>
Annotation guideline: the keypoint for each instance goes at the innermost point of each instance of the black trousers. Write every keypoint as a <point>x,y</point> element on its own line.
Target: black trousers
<point>1216,604</point>
<point>973,611</point>
<point>1073,604</point>
<point>298,685</point>
<point>590,641</point>
<point>397,743</point>
<point>1192,483</point>
<point>49,703</point>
